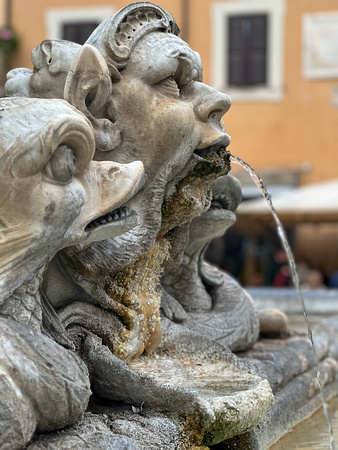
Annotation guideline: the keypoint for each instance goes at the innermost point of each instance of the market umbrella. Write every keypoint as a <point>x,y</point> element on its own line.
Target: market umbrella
<point>316,202</point>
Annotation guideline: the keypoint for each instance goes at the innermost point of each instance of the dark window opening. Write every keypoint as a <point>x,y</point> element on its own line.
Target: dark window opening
<point>247,57</point>
<point>78,32</point>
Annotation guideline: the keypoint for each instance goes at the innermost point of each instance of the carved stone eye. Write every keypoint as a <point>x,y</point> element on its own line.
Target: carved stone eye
<point>169,85</point>
<point>62,165</point>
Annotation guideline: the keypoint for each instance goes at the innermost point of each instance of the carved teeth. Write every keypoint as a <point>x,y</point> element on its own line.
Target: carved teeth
<point>220,201</point>
<point>113,216</point>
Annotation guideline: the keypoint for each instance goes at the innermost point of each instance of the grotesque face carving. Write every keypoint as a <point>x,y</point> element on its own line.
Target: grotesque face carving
<point>141,88</point>
<point>166,117</point>
<point>51,60</point>
<point>163,109</point>
<point>52,195</point>
<point>51,63</point>
<point>171,121</point>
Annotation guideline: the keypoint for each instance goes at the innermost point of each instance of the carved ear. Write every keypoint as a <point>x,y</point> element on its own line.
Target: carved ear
<point>42,56</point>
<point>47,50</point>
<point>88,87</point>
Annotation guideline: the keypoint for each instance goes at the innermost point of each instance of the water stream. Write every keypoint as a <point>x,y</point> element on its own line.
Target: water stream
<point>285,244</point>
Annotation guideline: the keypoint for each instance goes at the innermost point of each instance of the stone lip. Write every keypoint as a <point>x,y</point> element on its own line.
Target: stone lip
<point>185,359</point>
<point>232,400</point>
<point>226,400</point>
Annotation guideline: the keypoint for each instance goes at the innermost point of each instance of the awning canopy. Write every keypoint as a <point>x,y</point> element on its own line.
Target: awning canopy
<point>312,203</point>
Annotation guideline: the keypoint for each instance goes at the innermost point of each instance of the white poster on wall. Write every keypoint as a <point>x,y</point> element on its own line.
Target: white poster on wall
<point>320,45</point>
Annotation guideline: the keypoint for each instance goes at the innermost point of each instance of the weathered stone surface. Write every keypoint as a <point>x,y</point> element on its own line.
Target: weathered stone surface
<point>51,60</point>
<point>202,297</point>
<point>51,192</point>
<point>116,429</point>
<point>132,93</point>
<point>165,117</point>
<point>212,396</point>
<point>294,403</point>
<point>43,385</point>
<point>296,396</point>
<point>113,380</point>
<point>232,400</point>
<point>289,367</point>
<point>92,293</point>
<point>282,360</point>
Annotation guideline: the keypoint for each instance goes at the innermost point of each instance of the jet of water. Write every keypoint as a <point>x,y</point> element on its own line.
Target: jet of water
<point>285,244</point>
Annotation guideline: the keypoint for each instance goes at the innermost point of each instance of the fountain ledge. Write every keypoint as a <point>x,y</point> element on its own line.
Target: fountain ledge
<point>288,365</point>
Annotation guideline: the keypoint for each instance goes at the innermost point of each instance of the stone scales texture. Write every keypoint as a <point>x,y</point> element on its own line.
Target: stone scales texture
<point>105,166</point>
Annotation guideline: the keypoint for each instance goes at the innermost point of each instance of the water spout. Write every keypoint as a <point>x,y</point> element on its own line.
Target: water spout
<point>285,244</point>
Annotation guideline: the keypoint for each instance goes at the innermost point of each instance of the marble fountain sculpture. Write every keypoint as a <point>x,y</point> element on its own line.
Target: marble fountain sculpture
<point>114,331</point>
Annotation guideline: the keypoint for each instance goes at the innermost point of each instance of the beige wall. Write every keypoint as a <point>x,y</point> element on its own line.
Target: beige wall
<point>322,252</point>
<point>29,20</point>
<point>299,131</point>
<point>2,12</point>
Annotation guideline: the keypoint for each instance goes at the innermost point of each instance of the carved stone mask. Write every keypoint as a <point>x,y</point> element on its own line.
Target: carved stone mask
<point>52,194</point>
<point>141,88</point>
<point>166,116</point>
<point>51,60</point>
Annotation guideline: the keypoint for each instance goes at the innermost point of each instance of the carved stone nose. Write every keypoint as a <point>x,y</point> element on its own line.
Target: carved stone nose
<point>213,104</point>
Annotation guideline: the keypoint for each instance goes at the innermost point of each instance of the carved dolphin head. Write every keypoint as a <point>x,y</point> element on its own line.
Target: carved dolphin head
<point>141,87</point>
<point>51,192</point>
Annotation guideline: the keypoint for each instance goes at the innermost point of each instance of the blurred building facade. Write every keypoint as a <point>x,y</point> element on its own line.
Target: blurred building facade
<point>277,59</point>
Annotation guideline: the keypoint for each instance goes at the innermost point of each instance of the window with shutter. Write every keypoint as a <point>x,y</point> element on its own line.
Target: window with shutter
<point>78,32</point>
<point>247,50</point>
<point>75,24</point>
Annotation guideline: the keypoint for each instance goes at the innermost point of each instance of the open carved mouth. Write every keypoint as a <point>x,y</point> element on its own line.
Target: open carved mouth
<point>215,158</point>
<point>216,147</point>
<point>221,208</point>
<point>111,224</point>
<point>118,215</point>
<point>221,201</point>
<point>226,195</point>
<point>209,152</point>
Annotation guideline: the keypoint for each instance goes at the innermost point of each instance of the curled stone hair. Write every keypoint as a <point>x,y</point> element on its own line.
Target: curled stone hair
<point>33,129</point>
<point>116,37</point>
